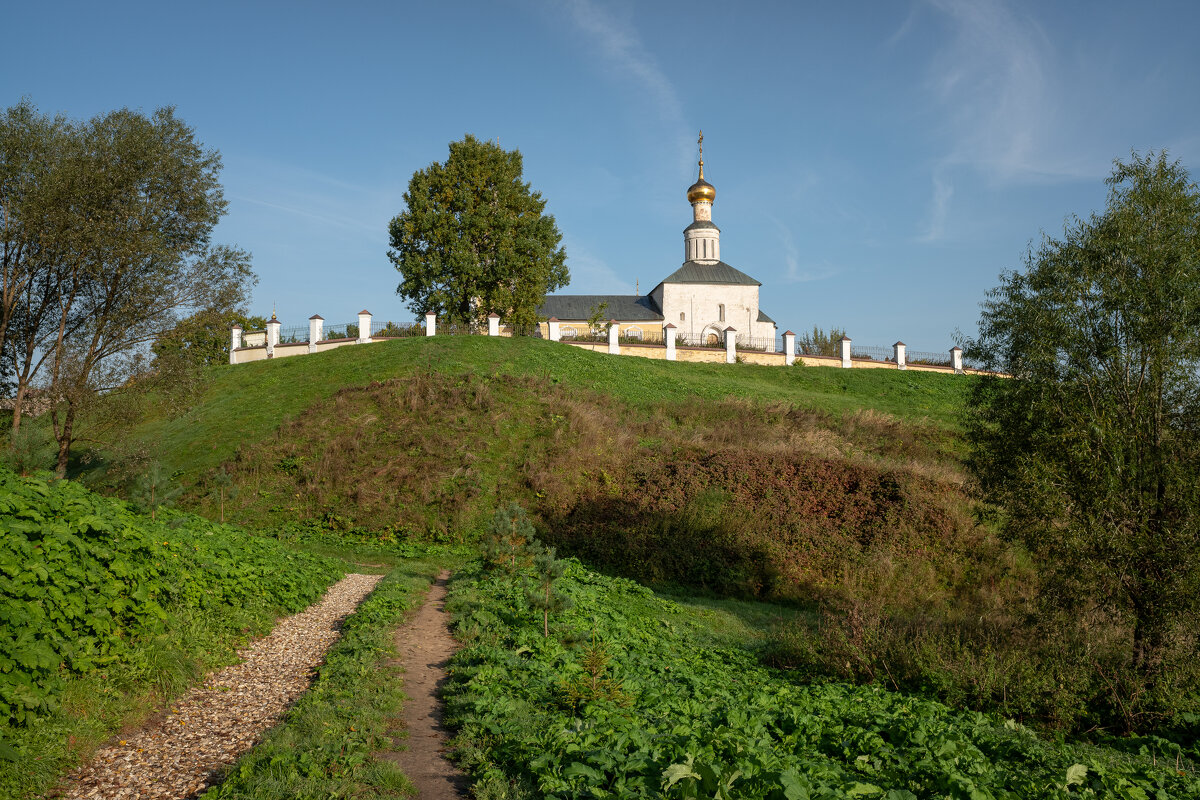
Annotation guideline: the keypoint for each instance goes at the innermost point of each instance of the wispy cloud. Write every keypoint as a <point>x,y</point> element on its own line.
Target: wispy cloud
<point>1015,107</point>
<point>1000,106</point>
<point>623,48</point>
<point>939,209</point>
<point>993,82</point>
<point>313,196</point>
<point>624,51</point>
<point>316,216</point>
<point>796,271</point>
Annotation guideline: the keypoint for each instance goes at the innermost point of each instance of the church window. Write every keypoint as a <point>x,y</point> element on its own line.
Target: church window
<point>681,316</point>
<point>633,333</point>
<point>721,310</point>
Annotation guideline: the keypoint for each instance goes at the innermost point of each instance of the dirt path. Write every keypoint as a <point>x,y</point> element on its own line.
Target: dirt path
<point>179,753</point>
<point>425,645</point>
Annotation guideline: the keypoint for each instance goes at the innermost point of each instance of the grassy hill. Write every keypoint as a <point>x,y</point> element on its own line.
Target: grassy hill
<point>742,479</point>
<point>840,492</point>
<point>243,404</point>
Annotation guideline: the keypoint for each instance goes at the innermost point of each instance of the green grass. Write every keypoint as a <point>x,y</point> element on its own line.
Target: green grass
<point>726,621</point>
<point>245,403</point>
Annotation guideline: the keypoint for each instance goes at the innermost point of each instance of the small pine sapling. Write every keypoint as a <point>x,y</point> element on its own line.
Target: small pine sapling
<point>506,537</point>
<point>155,490</point>
<point>593,684</point>
<point>223,489</point>
<point>540,593</point>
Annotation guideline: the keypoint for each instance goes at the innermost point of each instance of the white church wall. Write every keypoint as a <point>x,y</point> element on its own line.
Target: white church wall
<point>700,303</point>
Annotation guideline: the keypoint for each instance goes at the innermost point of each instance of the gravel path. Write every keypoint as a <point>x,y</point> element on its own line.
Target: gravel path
<point>209,727</point>
<point>425,645</point>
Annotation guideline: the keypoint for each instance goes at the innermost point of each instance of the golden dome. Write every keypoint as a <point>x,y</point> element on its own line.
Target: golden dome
<point>701,190</point>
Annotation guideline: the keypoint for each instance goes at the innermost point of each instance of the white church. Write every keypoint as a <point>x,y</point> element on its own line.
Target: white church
<point>703,299</point>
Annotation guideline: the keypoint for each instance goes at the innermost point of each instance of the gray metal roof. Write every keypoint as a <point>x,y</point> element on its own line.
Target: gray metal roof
<point>622,307</point>
<point>764,318</point>
<point>702,223</point>
<point>720,272</point>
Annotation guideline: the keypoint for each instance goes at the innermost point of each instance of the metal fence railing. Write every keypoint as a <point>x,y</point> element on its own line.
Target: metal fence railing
<point>827,349</point>
<point>928,358</point>
<point>574,332</point>
<point>392,330</point>
<point>759,344</point>
<point>458,329</point>
<point>571,334</point>
<point>872,353</point>
<point>344,330</point>
<point>713,340</point>
<point>641,337</point>
<point>293,335</point>
<point>532,331</point>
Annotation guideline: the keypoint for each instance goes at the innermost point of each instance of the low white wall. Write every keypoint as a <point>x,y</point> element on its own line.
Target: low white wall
<point>255,348</point>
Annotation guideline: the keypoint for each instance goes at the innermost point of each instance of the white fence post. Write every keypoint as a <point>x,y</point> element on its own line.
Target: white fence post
<point>899,350</point>
<point>789,348</point>
<point>273,326</point>
<point>669,338</point>
<point>553,330</point>
<point>614,329</point>
<point>430,323</point>
<point>956,359</point>
<point>846,352</point>
<point>364,326</point>
<point>493,324</point>
<point>731,345</point>
<point>316,327</point>
<point>235,341</point>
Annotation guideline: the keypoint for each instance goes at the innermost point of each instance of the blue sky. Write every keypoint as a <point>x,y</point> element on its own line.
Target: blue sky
<point>877,164</point>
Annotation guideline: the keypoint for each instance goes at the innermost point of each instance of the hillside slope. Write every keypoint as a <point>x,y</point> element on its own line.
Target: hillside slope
<point>840,492</point>
<point>742,479</point>
<point>240,405</point>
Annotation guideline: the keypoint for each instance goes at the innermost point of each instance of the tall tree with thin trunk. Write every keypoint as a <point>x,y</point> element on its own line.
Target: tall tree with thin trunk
<point>36,268</point>
<point>1092,447</point>
<point>115,250</point>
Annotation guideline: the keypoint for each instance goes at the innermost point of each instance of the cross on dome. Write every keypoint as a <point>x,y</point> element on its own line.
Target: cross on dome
<point>701,191</point>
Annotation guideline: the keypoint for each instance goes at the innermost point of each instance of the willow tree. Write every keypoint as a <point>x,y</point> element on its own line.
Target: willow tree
<point>1092,447</point>
<point>474,238</point>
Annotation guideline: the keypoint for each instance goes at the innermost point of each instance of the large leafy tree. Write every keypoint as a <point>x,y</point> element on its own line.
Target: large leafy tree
<point>1092,446</point>
<point>107,236</point>
<point>474,238</point>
